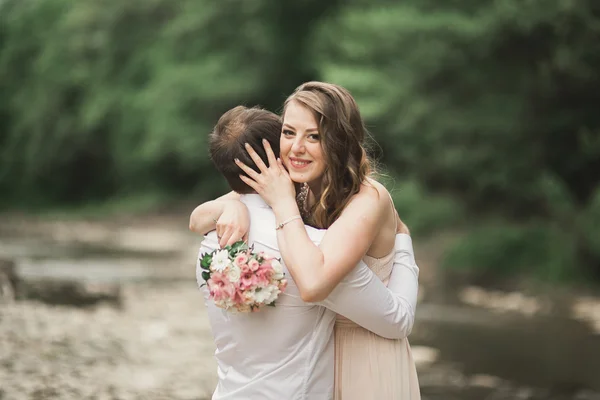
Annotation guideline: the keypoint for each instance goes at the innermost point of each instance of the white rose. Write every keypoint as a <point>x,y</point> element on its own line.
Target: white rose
<point>273,295</point>
<point>267,295</point>
<point>277,269</point>
<point>220,261</point>
<point>260,296</point>
<point>234,274</point>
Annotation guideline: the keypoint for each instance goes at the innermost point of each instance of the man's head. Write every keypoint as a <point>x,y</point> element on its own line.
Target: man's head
<point>238,126</point>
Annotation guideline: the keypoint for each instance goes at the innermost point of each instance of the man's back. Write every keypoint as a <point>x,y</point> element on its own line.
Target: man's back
<point>281,352</point>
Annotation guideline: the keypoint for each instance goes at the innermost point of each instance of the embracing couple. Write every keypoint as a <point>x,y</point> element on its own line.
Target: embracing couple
<point>302,189</point>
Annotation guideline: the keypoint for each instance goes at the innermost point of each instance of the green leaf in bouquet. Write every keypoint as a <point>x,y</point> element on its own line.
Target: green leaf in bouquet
<point>205,261</point>
<point>237,247</point>
<point>206,275</point>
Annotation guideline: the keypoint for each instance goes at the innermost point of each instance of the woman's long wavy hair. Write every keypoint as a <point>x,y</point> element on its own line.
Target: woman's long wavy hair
<point>343,136</point>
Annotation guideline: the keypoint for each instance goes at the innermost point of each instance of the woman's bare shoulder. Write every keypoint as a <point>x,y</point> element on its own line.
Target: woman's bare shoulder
<point>373,193</point>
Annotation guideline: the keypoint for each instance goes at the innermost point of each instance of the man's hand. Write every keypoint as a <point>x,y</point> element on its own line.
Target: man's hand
<point>402,228</point>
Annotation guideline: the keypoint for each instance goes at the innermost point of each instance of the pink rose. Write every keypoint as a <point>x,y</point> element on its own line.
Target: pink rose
<point>241,259</point>
<point>238,297</point>
<point>247,280</point>
<point>245,269</point>
<point>254,265</point>
<point>237,286</point>
<point>265,256</point>
<point>215,292</point>
<point>219,286</point>
<point>263,277</point>
<point>264,272</point>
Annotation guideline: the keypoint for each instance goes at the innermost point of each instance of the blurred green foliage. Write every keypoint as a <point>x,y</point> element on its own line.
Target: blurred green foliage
<point>485,111</point>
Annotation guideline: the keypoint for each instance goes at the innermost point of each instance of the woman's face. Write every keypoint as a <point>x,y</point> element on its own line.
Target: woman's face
<point>300,144</point>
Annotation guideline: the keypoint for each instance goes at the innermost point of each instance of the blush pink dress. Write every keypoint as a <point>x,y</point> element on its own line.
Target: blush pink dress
<point>370,367</point>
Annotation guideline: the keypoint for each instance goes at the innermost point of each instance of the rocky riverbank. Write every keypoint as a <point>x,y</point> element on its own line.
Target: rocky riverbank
<point>156,346</point>
<point>149,339</point>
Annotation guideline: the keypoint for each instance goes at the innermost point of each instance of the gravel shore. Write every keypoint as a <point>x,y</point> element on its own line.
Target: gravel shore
<point>155,342</point>
<point>157,347</point>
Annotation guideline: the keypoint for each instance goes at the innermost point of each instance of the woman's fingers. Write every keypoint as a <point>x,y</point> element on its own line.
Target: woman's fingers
<point>236,236</point>
<point>282,167</point>
<point>231,234</point>
<point>270,154</point>
<point>251,173</point>
<point>223,240</point>
<point>220,229</point>
<point>256,158</point>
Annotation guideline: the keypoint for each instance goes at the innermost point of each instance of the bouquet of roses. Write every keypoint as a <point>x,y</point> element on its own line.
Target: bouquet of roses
<point>241,280</point>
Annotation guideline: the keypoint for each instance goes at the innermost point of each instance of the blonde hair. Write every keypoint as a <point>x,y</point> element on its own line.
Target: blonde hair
<point>343,136</point>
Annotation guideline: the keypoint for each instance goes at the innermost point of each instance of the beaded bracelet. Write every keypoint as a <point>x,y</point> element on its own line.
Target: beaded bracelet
<point>287,221</point>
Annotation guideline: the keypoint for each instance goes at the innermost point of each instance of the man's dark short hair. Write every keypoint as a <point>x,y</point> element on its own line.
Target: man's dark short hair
<point>236,127</point>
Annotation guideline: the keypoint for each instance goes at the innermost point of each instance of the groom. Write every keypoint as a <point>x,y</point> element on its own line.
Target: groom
<point>286,352</point>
